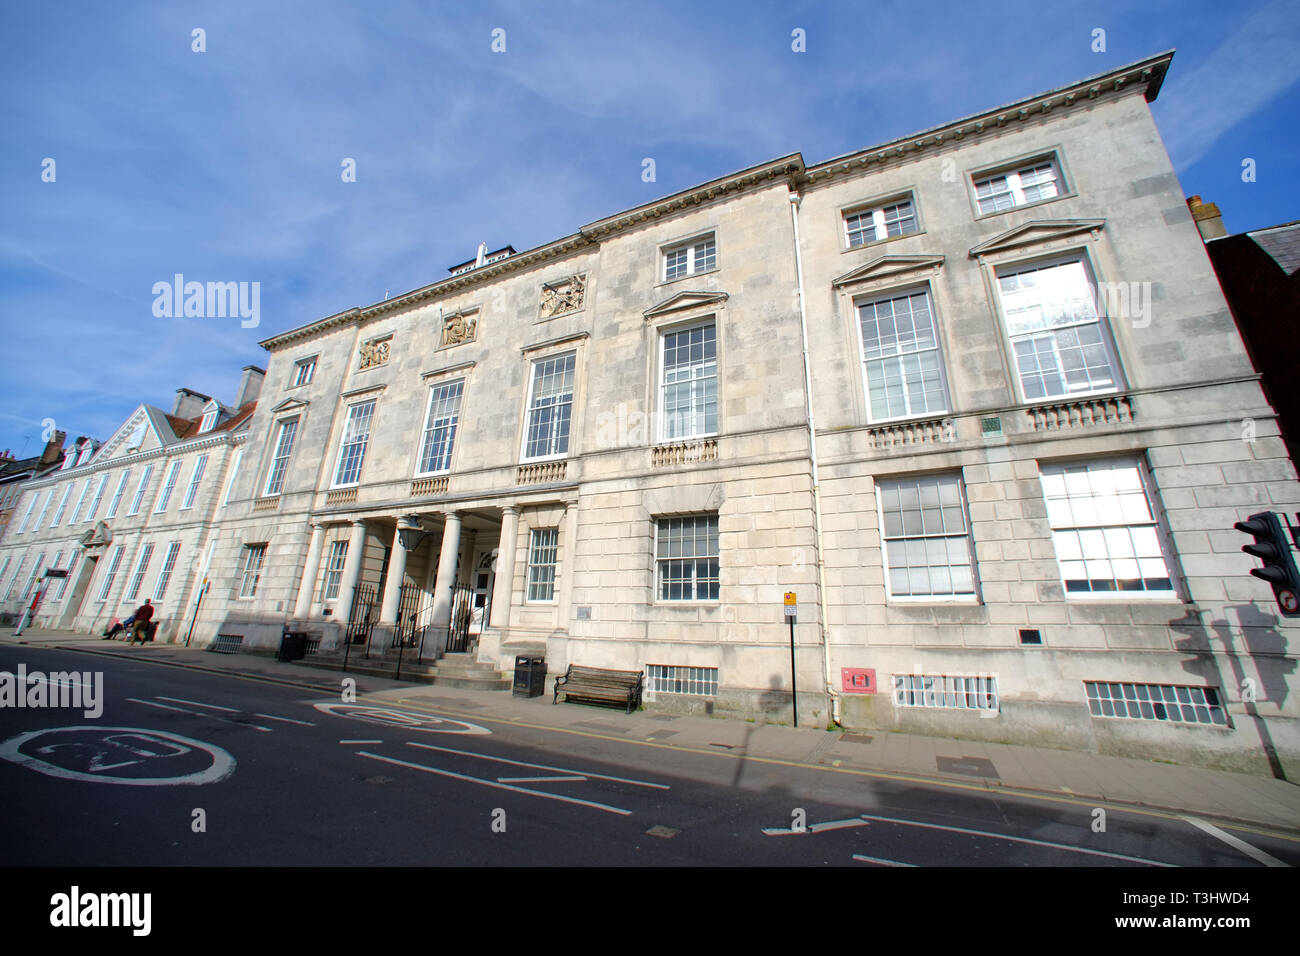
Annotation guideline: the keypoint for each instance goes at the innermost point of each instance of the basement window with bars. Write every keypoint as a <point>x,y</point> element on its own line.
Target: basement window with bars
<point>670,679</point>
<point>1188,705</point>
<point>943,690</point>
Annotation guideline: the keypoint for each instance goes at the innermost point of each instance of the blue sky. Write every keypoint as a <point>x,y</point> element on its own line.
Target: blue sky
<point>225,165</point>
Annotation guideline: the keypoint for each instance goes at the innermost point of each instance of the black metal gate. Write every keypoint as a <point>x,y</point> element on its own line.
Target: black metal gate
<point>462,613</point>
<point>408,603</point>
<point>361,621</point>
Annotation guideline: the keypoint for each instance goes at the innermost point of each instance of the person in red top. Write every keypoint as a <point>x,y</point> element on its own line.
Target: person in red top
<point>140,629</point>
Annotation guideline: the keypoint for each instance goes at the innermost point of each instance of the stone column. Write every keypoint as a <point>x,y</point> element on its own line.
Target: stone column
<point>351,570</point>
<point>303,607</point>
<point>569,542</point>
<point>503,588</point>
<point>396,574</point>
<point>446,573</point>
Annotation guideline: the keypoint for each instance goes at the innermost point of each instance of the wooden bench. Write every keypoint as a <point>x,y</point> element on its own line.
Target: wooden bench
<point>598,685</point>
<point>226,644</point>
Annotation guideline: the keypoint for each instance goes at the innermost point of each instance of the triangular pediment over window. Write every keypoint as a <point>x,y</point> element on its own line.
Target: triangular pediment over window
<point>887,266</point>
<point>1037,231</point>
<point>289,405</point>
<point>683,301</point>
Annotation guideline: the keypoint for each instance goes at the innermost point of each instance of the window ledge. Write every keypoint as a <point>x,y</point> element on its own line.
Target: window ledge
<point>981,216</point>
<point>881,242</point>
<point>693,275</point>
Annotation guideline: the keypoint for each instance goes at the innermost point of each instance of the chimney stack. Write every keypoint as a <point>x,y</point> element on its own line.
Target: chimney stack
<point>1207,217</point>
<point>189,403</point>
<point>53,449</point>
<point>250,385</point>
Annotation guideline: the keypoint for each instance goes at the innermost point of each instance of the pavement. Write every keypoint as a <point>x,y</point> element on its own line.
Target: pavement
<point>998,768</point>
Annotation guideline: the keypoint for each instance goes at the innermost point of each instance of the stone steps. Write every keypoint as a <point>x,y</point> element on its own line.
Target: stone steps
<point>454,670</point>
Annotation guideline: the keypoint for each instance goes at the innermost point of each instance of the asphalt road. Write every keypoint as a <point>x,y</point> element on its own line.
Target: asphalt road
<point>185,768</point>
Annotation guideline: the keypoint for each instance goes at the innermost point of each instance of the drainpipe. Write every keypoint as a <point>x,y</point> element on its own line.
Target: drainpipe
<point>812,447</point>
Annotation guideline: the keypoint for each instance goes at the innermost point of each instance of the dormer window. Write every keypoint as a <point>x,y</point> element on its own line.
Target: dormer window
<point>87,450</point>
<point>209,419</point>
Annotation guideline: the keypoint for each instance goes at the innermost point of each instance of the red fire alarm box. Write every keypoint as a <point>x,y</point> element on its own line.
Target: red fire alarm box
<point>858,680</point>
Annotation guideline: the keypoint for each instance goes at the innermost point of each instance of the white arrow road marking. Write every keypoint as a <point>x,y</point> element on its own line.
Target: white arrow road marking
<point>1255,853</point>
<point>198,713</point>
<point>196,703</point>
<point>361,741</point>
<point>539,766</point>
<point>880,861</point>
<point>498,786</point>
<point>1016,839</point>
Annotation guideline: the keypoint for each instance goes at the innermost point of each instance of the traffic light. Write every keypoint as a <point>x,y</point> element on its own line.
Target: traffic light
<point>1272,547</point>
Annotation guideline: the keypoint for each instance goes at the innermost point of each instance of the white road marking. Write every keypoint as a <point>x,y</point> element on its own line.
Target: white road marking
<point>222,766</point>
<point>1253,852</point>
<point>538,779</point>
<point>197,703</point>
<point>361,741</point>
<point>198,713</point>
<point>287,720</point>
<point>540,766</point>
<point>817,827</point>
<point>401,719</point>
<point>880,861</point>
<point>1016,839</point>
<point>498,786</point>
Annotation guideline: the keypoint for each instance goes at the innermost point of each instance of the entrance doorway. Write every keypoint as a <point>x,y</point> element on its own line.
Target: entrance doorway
<point>80,586</point>
<point>483,578</point>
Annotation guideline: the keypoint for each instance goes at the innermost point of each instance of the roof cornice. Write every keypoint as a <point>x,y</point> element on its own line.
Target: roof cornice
<point>1145,75</point>
<point>788,167</point>
<point>184,446</point>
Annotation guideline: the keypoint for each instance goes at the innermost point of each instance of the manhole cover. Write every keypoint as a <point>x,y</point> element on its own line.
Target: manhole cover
<point>856,738</point>
<point>664,833</point>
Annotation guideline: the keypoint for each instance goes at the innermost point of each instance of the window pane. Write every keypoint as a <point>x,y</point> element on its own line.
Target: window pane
<point>927,548</point>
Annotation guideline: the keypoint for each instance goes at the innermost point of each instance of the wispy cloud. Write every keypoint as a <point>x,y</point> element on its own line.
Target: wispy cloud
<point>1257,61</point>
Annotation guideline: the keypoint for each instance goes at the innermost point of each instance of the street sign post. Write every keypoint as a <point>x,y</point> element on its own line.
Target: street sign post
<point>791,614</point>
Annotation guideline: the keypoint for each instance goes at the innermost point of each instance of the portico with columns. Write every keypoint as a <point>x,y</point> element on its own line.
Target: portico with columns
<point>469,561</point>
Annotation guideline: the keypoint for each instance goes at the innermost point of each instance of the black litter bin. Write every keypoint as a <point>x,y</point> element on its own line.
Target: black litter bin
<point>530,676</point>
<point>293,646</point>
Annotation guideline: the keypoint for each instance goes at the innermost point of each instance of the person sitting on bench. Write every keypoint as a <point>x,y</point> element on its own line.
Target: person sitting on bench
<point>117,627</point>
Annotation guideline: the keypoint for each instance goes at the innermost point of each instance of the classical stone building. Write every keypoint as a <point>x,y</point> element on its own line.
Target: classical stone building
<point>973,395</point>
<point>16,472</point>
<point>129,519</point>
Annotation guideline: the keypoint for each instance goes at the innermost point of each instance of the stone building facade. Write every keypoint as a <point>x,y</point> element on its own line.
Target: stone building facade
<point>973,395</point>
<point>130,519</point>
